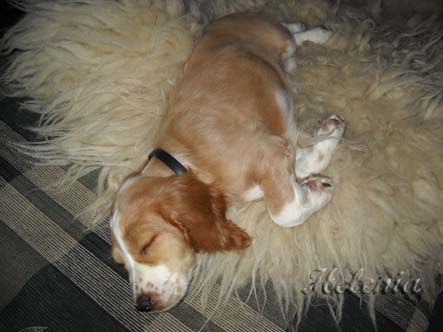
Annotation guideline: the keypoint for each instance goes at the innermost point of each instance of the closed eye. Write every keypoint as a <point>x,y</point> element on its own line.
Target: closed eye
<point>145,248</point>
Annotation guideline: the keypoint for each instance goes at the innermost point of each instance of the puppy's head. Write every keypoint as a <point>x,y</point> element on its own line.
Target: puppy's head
<point>158,225</point>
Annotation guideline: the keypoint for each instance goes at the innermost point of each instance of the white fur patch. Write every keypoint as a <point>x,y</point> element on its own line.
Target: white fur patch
<point>253,193</point>
<point>294,27</point>
<point>317,35</point>
<point>159,279</point>
<point>118,235</point>
<point>290,215</point>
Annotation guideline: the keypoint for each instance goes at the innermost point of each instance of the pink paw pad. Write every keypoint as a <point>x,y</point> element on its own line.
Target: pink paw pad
<point>318,183</point>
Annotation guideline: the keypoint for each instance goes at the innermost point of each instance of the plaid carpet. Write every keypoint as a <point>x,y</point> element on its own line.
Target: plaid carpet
<point>55,275</point>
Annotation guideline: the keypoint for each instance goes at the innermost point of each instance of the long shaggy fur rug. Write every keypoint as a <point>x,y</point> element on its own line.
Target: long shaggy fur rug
<point>99,73</point>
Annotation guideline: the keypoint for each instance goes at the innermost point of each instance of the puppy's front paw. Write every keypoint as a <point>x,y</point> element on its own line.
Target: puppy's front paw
<point>322,34</point>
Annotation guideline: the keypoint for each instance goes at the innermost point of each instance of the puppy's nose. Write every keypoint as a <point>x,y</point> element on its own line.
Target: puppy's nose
<point>144,303</point>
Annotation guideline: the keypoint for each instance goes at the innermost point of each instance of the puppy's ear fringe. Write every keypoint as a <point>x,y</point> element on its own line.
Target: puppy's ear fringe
<point>231,237</point>
<point>200,214</point>
<point>220,236</point>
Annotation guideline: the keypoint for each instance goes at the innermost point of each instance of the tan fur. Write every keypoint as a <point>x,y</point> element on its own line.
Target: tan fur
<point>223,115</point>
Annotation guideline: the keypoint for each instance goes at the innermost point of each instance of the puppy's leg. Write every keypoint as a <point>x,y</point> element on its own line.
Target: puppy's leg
<point>316,158</point>
<point>319,35</point>
<point>290,203</point>
<point>294,27</point>
<point>299,35</point>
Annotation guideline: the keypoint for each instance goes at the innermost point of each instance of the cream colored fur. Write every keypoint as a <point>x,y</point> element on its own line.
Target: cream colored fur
<point>100,77</point>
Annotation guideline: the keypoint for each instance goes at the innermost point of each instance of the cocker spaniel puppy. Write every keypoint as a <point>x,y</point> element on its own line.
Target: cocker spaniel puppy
<point>229,136</point>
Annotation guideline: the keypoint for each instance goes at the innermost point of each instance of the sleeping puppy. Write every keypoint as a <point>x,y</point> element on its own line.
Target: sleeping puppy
<point>229,136</point>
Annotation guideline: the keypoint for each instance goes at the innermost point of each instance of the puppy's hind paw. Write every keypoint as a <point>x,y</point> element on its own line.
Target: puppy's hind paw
<point>319,190</point>
<point>333,127</point>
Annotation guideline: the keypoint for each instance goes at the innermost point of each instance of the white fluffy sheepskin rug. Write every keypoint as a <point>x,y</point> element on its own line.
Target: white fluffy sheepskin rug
<point>99,72</point>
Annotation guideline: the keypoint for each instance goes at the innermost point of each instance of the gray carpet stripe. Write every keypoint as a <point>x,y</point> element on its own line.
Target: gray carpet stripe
<point>91,275</point>
<point>237,315</point>
<point>389,306</point>
<point>418,322</point>
<point>103,230</point>
<point>18,263</point>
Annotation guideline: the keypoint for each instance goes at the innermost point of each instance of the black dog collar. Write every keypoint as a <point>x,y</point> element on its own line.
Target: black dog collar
<point>169,161</point>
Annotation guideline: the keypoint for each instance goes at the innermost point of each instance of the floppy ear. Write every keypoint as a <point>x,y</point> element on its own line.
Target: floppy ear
<point>198,210</point>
